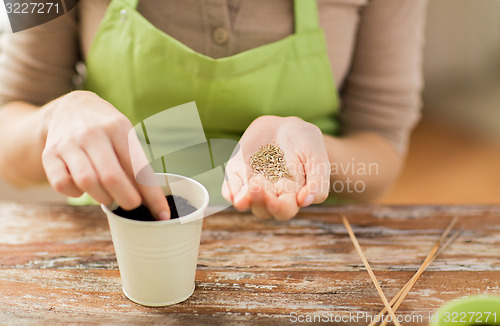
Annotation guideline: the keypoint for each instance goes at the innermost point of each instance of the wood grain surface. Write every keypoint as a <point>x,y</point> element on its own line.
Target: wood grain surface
<point>57,266</point>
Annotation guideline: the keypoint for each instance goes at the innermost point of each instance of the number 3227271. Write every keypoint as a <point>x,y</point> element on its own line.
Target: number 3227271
<point>32,8</point>
<point>476,316</point>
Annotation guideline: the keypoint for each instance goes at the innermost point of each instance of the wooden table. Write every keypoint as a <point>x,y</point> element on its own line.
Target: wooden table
<point>57,265</point>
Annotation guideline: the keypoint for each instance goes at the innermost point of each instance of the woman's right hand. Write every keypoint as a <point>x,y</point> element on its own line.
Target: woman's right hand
<point>87,149</point>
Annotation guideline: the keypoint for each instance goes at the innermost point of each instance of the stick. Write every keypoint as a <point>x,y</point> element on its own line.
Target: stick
<point>414,279</point>
<point>449,241</point>
<point>448,229</point>
<point>408,286</point>
<point>368,268</point>
<point>428,260</point>
<point>435,251</point>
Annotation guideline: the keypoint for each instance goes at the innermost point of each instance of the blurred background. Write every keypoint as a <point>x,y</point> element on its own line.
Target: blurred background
<point>454,155</point>
<point>455,150</point>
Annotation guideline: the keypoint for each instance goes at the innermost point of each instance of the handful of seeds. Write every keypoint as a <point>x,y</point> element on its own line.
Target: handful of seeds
<point>269,161</point>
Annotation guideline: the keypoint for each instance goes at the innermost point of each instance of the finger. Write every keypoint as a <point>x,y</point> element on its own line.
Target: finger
<point>236,181</point>
<point>148,187</point>
<point>286,185</point>
<point>58,176</point>
<point>258,195</point>
<point>317,183</point>
<point>284,207</point>
<point>84,176</point>
<point>232,183</point>
<point>111,174</point>
<point>243,200</point>
<point>259,208</point>
<point>154,198</point>
<point>226,191</point>
<point>295,168</point>
<point>283,203</point>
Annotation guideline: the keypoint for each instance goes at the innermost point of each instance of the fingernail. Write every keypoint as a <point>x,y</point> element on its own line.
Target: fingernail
<point>164,216</point>
<point>308,201</point>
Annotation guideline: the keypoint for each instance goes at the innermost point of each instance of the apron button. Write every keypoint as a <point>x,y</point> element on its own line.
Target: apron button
<point>123,13</point>
<point>220,35</point>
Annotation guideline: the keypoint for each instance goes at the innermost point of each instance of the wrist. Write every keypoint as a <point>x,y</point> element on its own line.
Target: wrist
<point>45,115</point>
<point>363,158</point>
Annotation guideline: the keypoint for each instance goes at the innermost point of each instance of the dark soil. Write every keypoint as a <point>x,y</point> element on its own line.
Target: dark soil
<point>142,213</point>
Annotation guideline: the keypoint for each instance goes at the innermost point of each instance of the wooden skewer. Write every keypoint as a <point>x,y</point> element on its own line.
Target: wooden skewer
<point>448,229</point>
<point>449,241</point>
<point>398,298</point>
<point>401,295</point>
<point>368,268</point>
<point>434,251</point>
<point>414,279</point>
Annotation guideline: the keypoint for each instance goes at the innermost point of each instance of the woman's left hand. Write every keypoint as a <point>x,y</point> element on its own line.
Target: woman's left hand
<point>307,160</point>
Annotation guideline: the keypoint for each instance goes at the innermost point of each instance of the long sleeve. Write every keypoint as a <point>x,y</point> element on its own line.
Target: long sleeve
<point>381,92</point>
<point>38,65</point>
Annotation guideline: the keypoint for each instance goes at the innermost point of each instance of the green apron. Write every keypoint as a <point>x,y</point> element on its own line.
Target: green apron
<point>142,71</point>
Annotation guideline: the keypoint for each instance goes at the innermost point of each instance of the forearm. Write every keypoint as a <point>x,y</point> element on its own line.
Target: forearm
<point>363,166</point>
<point>22,144</point>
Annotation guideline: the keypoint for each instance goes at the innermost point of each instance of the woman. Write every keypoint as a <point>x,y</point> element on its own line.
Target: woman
<point>260,67</point>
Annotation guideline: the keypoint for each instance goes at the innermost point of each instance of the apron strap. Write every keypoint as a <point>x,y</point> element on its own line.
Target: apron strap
<point>306,15</point>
